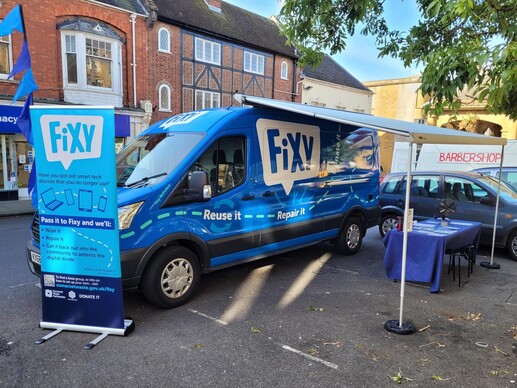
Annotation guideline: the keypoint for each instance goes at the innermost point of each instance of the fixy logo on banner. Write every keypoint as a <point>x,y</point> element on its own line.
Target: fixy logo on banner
<point>67,138</point>
<point>290,152</point>
<point>78,216</point>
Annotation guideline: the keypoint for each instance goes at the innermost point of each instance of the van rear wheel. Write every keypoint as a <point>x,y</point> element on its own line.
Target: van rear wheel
<point>350,238</point>
<point>171,277</point>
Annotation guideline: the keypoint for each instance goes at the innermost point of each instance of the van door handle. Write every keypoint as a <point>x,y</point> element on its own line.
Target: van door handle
<point>248,197</point>
<point>268,194</point>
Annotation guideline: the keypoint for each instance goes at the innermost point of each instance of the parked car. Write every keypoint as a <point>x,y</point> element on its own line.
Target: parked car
<point>509,174</point>
<point>474,195</point>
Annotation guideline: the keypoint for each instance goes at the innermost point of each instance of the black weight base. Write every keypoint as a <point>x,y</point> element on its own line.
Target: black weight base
<point>487,264</point>
<point>405,328</point>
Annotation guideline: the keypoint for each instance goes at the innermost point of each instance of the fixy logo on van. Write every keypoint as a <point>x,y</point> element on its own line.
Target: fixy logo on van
<point>290,152</point>
<point>68,138</point>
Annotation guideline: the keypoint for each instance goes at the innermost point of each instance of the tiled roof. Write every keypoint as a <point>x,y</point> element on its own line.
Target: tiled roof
<point>331,71</point>
<point>232,23</point>
<point>130,5</point>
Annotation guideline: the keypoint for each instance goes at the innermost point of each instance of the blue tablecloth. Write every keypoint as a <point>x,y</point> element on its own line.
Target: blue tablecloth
<point>426,249</point>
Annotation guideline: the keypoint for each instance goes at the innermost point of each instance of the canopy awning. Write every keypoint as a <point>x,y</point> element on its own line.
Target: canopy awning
<point>417,133</point>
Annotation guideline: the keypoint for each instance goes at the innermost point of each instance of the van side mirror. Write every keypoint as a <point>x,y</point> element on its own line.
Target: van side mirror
<point>199,186</point>
<point>486,200</point>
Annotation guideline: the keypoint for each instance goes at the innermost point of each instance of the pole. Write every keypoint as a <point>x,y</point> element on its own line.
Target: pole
<point>491,264</point>
<point>401,327</point>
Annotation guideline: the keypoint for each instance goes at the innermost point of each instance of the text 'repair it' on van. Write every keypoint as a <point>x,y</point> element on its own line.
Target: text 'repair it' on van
<point>209,189</point>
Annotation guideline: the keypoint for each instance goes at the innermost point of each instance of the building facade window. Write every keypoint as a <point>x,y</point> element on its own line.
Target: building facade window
<point>205,99</point>
<point>207,51</point>
<point>283,70</point>
<point>164,97</point>
<point>164,40</point>
<point>92,70</point>
<point>253,63</point>
<point>5,56</point>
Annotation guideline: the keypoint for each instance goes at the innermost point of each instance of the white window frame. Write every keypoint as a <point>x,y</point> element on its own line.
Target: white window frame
<point>284,68</point>
<point>10,53</point>
<point>204,93</point>
<point>160,48</point>
<point>260,63</point>
<point>81,92</point>
<point>203,47</point>
<point>161,108</point>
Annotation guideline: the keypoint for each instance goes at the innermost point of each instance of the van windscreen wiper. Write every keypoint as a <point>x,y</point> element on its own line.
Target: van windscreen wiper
<point>143,180</point>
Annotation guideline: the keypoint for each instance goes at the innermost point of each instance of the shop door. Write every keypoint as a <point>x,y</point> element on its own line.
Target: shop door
<point>8,165</point>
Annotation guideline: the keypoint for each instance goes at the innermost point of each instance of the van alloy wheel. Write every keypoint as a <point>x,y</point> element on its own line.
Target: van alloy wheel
<point>351,237</point>
<point>171,277</point>
<point>177,278</point>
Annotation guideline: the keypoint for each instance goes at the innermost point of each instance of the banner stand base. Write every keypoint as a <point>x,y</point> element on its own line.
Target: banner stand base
<point>129,326</point>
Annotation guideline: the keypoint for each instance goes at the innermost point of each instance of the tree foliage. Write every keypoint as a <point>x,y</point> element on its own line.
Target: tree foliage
<point>466,47</point>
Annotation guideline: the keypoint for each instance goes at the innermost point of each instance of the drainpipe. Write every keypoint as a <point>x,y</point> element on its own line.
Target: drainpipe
<point>133,22</point>
<point>294,89</point>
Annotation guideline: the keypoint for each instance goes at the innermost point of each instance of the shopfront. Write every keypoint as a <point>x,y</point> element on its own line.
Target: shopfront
<point>17,155</point>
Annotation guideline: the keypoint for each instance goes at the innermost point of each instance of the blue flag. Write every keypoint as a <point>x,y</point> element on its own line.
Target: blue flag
<point>13,21</point>
<point>23,62</point>
<point>24,120</point>
<point>27,85</point>
<point>33,187</point>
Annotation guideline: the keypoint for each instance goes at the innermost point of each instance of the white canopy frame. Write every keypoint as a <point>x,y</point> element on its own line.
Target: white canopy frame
<point>416,134</point>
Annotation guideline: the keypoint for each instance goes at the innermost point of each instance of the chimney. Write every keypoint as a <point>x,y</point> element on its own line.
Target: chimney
<point>214,5</point>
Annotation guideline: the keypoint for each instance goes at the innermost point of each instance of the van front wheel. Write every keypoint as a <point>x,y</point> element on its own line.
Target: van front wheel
<point>350,238</point>
<point>171,278</point>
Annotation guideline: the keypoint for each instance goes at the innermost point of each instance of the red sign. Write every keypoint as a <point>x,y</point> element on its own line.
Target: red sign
<point>469,157</point>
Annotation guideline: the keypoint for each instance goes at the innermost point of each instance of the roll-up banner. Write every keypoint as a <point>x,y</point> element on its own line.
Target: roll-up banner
<point>77,203</point>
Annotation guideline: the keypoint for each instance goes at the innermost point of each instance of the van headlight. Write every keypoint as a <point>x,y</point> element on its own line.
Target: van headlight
<point>126,214</point>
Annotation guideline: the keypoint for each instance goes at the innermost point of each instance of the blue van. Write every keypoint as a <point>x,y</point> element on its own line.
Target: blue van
<point>209,189</point>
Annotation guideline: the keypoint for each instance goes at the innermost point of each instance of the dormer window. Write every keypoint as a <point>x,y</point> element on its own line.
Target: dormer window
<point>91,57</point>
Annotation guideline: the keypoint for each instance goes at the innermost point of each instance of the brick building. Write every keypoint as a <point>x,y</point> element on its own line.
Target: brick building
<point>202,51</point>
<point>150,59</point>
<point>82,52</point>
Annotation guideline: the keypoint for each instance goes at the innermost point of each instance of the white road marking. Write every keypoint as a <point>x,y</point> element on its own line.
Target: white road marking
<point>326,363</point>
<point>209,317</point>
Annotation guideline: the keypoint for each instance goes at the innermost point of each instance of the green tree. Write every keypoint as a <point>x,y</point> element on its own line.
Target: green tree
<point>465,46</point>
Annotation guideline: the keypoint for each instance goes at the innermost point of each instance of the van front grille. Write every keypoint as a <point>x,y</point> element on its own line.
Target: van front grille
<point>35,227</point>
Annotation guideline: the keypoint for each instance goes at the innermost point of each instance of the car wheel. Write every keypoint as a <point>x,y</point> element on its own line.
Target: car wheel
<point>171,277</point>
<point>388,222</point>
<point>350,238</point>
<point>511,245</point>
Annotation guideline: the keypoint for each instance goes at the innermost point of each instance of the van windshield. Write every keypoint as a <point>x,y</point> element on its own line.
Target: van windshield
<point>148,159</point>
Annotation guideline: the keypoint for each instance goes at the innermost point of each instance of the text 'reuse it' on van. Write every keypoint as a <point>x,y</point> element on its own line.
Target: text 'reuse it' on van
<point>210,189</point>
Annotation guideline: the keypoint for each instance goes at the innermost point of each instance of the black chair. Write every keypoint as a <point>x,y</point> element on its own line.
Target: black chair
<point>468,253</point>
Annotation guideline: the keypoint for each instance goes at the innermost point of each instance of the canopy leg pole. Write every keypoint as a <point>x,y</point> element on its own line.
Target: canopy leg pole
<point>491,264</point>
<point>394,326</point>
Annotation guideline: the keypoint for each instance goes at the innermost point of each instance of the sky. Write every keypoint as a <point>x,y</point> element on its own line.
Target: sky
<point>360,57</point>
